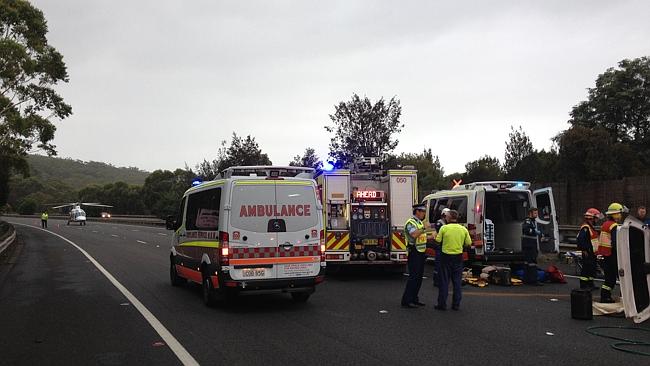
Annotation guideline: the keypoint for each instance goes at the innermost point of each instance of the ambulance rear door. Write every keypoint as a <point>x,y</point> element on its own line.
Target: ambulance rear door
<point>300,223</point>
<point>253,230</point>
<point>547,220</point>
<point>633,250</point>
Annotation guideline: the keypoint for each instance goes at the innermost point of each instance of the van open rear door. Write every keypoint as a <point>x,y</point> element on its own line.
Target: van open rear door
<point>633,249</point>
<point>547,220</point>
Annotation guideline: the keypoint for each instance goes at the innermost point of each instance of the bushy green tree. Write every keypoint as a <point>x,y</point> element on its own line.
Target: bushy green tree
<point>163,190</point>
<point>308,159</point>
<point>241,151</point>
<point>29,69</point>
<point>362,128</point>
<point>518,147</point>
<point>430,172</point>
<point>485,168</point>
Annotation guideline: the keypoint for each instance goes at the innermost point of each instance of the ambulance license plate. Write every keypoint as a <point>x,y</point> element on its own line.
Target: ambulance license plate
<point>253,272</point>
<point>369,241</point>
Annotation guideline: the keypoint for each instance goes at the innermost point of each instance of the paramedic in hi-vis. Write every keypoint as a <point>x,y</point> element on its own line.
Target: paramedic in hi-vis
<point>453,238</point>
<point>416,237</point>
<point>607,248</point>
<point>530,236</point>
<point>44,217</point>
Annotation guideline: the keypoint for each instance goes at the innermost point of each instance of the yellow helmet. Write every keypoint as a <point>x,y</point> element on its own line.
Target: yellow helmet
<point>616,208</point>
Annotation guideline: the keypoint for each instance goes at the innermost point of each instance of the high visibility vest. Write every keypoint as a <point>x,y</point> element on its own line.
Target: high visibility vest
<point>593,235</point>
<point>421,240</point>
<point>605,240</point>
<point>44,216</point>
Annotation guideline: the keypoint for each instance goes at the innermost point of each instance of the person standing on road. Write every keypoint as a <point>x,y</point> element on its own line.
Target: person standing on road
<point>588,244</point>
<point>436,264</point>
<point>416,237</point>
<point>642,215</point>
<point>530,236</point>
<point>452,237</point>
<point>607,248</point>
<point>44,218</point>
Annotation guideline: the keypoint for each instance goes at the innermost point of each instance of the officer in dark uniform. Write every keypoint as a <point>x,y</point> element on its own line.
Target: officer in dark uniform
<point>530,236</point>
<point>416,238</point>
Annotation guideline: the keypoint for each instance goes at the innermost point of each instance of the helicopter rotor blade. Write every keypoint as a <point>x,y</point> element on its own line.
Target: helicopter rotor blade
<point>62,206</point>
<point>95,204</point>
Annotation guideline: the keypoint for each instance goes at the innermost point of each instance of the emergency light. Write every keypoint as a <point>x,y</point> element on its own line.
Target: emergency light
<point>197,181</point>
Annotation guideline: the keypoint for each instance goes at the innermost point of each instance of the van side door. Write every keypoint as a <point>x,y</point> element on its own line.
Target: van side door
<point>547,220</point>
<point>633,249</point>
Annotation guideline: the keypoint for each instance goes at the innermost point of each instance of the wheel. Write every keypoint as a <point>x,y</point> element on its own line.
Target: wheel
<point>176,280</point>
<point>209,293</point>
<point>300,296</point>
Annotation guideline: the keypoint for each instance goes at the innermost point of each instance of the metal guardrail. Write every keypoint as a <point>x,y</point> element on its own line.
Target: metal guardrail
<point>118,219</point>
<point>4,244</point>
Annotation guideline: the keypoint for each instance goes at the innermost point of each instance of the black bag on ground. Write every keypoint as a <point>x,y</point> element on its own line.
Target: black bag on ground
<point>501,277</point>
<point>581,305</point>
<point>530,273</point>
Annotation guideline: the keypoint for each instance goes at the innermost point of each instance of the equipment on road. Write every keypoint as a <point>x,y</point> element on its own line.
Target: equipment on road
<point>365,208</point>
<point>581,304</point>
<point>257,229</point>
<point>77,214</point>
<point>493,213</point>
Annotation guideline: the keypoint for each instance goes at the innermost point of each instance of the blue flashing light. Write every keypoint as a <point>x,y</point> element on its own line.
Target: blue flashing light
<point>328,166</point>
<point>520,184</point>
<point>197,181</point>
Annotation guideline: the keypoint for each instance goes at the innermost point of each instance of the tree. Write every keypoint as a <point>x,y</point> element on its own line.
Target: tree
<point>308,159</point>
<point>27,206</point>
<point>163,190</point>
<point>29,69</point>
<point>242,151</point>
<point>485,168</point>
<point>539,166</point>
<point>619,104</point>
<point>362,128</point>
<point>518,147</point>
<point>430,172</point>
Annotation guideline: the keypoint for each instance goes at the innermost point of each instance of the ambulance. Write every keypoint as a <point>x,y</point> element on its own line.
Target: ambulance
<point>364,210</point>
<point>493,213</point>
<point>255,230</point>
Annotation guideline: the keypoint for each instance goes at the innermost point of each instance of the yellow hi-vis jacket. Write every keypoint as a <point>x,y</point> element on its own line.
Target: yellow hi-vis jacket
<point>45,216</point>
<point>420,242</point>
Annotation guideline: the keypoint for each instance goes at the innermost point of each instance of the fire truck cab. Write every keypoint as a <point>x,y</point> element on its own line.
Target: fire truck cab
<point>364,211</point>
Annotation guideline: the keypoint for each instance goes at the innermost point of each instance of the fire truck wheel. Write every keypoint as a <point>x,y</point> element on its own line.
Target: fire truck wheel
<point>174,277</point>
<point>300,296</point>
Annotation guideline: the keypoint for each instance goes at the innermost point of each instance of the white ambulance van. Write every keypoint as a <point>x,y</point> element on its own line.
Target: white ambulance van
<point>493,213</point>
<point>255,230</point>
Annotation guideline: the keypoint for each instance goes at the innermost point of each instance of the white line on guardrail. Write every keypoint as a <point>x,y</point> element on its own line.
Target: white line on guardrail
<point>5,243</point>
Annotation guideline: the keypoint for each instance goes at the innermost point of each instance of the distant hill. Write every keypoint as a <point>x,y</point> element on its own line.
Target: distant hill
<point>77,173</point>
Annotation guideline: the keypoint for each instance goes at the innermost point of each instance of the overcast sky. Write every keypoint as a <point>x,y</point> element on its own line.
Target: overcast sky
<point>157,84</point>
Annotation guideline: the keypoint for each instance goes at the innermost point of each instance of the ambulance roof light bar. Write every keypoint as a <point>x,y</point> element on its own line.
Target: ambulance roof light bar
<point>500,185</point>
<point>266,171</point>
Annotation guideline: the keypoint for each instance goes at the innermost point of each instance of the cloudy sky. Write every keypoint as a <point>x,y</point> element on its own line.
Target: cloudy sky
<point>157,84</point>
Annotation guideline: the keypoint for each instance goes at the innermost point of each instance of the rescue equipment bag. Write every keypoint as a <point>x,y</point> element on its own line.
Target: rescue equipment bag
<point>554,274</point>
<point>581,304</point>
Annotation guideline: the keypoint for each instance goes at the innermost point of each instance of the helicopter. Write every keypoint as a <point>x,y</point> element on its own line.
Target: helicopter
<point>77,214</point>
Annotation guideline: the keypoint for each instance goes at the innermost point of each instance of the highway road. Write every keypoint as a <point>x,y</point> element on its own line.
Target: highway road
<point>57,307</point>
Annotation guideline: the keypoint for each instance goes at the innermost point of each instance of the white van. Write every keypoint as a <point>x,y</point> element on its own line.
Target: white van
<point>493,213</point>
<point>633,254</point>
<point>257,230</point>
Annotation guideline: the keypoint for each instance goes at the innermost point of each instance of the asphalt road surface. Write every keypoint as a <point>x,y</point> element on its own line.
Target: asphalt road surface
<point>57,307</point>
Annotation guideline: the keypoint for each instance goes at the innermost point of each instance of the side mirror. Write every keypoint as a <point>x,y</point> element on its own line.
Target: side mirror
<point>170,223</point>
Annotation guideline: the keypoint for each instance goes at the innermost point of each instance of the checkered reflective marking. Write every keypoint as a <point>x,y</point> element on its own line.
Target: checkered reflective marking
<point>300,251</point>
<point>259,252</point>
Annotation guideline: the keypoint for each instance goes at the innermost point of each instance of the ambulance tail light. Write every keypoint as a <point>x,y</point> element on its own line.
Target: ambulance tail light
<point>225,248</point>
<point>322,245</point>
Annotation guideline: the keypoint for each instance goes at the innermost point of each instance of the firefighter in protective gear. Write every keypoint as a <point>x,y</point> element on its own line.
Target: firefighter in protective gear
<point>44,217</point>
<point>414,232</point>
<point>588,244</point>
<point>607,248</point>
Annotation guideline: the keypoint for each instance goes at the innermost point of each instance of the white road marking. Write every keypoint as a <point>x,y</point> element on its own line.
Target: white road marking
<point>135,230</point>
<point>113,235</point>
<point>141,242</point>
<point>172,342</point>
<point>95,231</point>
<point>163,234</point>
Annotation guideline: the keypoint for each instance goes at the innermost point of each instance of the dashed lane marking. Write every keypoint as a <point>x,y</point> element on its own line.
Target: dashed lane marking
<point>181,353</point>
<point>141,242</point>
<point>115,236</point>
<point>162,234</point>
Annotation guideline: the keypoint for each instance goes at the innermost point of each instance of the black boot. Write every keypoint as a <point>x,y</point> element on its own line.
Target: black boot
<point>606,296</point>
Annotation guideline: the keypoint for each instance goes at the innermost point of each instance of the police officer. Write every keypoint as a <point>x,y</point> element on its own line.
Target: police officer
<point>607,248</point>
<point>414,232</point>
<point>453,238</point>
<point>530,236</point>
<point>44,218</point>
<point>588,244</point>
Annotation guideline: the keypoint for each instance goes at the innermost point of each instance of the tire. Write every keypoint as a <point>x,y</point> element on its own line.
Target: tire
<point>300,297</point>
<point>175,279</point>
<point>210,297</point>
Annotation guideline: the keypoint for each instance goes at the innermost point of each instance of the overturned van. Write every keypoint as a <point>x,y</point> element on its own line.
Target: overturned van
<point>633,251</point>
<point>493,213</point>
<point>256,230</point>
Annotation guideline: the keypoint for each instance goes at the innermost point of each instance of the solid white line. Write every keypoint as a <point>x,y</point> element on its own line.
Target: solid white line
<point>141,242</point>
<point>173,343</point>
